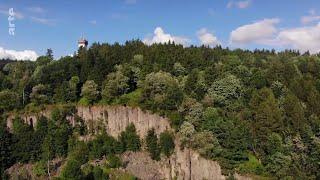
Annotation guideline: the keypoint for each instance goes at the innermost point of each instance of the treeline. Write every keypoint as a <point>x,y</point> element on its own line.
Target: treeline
<point>253,111</point>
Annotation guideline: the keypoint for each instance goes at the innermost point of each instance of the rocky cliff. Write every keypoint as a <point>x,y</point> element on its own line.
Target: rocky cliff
<point>184,164</point>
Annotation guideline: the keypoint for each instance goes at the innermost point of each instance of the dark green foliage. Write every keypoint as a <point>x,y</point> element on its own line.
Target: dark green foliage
<point>72,170</point>
<point>152,145</point>
<point>8,100</point>
<point>6,147</point>
<point>129,139</point>
<point>166,143</point>
<point>103,145</point>
<point>114,161</point>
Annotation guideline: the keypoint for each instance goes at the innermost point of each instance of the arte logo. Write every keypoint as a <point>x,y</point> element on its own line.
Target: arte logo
<point>12,26</point>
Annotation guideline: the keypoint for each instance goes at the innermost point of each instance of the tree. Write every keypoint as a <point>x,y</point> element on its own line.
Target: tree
<point>267,118</point>
<point>72,170</point>
<point>116,84</point>
<point>49,54</point>
<point>152,145</point>
<point>90,91</point>
<point>39,94</point>
<point>161,91</point>
<point>6,142</point>
<point>224,90</point>
<point>73,88</point>
<point>294,112</point>
<point>186,132</point>
<point>278,165</point>
<point>166,143</point>
<point>8,100</point>
<point>129,139</point>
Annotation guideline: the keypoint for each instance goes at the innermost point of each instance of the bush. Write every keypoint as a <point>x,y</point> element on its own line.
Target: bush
<point>114,161</point>
<point>84,102</point>
<point>72,170</point>
<point>251,166</point>
<point>129,139</point>
<point>39,168</point>
<point>166,143</point>
<point>131,99</point>
<point>152,145</point>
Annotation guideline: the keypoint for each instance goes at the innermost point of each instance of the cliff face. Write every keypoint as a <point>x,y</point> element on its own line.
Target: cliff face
<point>184,164</point>
<point>116,118</point>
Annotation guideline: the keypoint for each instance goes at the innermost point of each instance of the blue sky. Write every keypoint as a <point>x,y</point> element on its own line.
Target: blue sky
<point>58,24</point>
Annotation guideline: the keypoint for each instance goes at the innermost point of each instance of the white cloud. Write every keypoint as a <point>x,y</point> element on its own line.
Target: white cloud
<point>312,17</point>
<point>160,36</point>
<point>265,32</point>
<point>36,9</point>
<point>301,38</point>
<point>44,21</point>
<point>207,38</point>
<point>258,32</point>
<point>17,14</point>
<point>239,4</point>
<point>18,55</point>
<point>309,19</point>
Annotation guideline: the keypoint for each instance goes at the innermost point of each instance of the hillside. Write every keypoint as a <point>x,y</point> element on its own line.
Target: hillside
<point>252,112</point>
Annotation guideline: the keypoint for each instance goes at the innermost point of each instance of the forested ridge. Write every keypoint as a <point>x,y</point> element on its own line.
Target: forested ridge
<point>255,112</point>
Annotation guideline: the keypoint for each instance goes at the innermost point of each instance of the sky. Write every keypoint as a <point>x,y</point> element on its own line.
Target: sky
<point>248,24</point>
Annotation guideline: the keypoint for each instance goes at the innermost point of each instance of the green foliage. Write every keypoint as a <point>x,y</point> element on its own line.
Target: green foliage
<point>72,170</point>
<point>8,100</point>
<point>39,168</point>
<point>225,90</point>
<point>229,105</point>
<point>161,91</point>
<point>152,145</point>
<point>129,139</point>
<point>116,84</point>
<point>166,143</point>
<point>278,164</point>
<point>251,166</point>
<point>114,161</point>
<point>132,99</point>
<point>6,147</point>
<point>186,132</point>
<point>103,145</point>
<point>39,94</point>
<point>90,91</point>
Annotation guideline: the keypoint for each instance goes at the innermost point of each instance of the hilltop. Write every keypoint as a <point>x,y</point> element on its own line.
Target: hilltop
<point>254,112</point>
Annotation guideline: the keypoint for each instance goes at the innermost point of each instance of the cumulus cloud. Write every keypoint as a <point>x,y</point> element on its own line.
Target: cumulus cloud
<point>257,32</point>
<point>18,55</point>
<point>159,36</point>
<point>207,38</point>
<point>239,4</point>
<point>265,32</point>
<point>302,38</point>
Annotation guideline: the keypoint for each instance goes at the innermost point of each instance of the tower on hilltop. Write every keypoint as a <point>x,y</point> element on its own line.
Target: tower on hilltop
<point>83,43</point>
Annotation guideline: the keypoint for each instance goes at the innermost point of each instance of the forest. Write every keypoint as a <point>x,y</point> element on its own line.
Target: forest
<point>255,112</point>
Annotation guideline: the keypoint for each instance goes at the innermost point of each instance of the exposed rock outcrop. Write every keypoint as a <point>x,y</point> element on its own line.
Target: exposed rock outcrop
<point>184,164</point>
